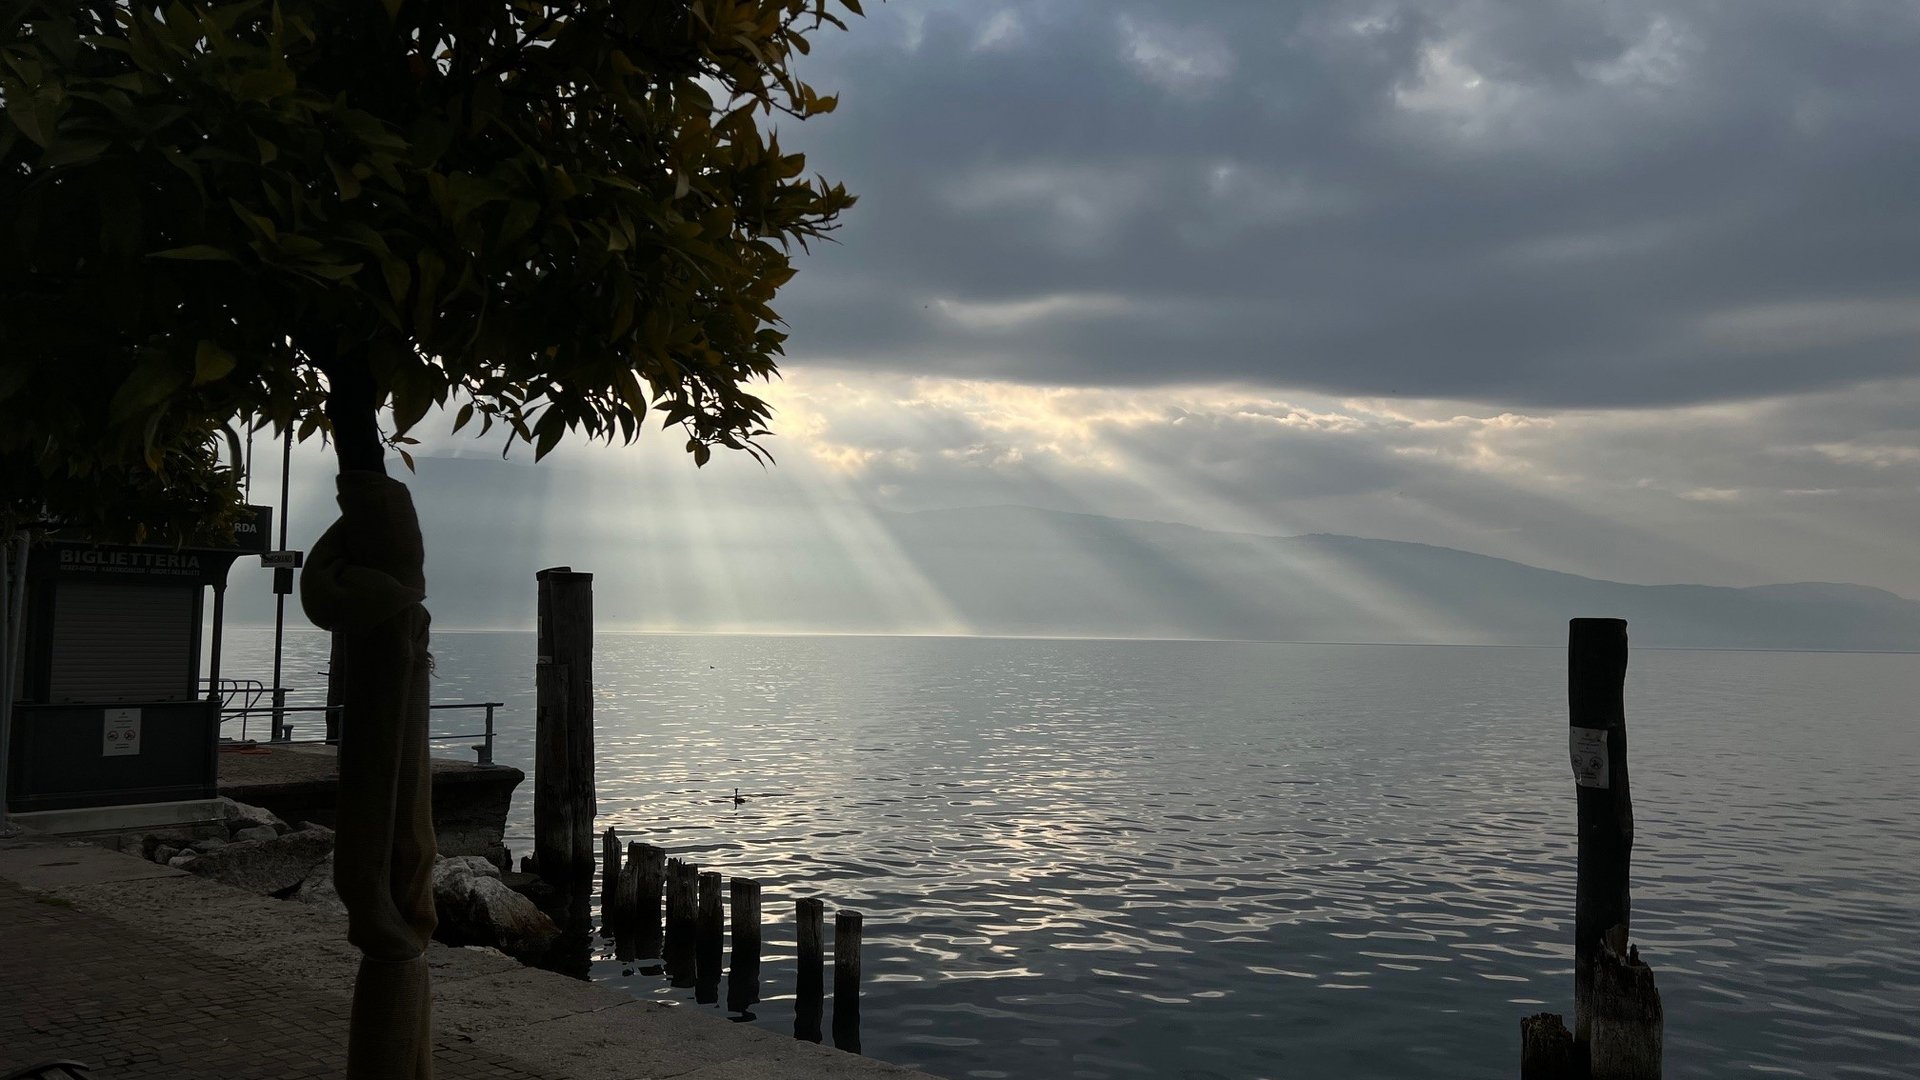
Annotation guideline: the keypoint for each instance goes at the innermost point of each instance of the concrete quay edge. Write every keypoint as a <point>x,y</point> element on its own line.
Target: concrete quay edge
<point>560,1027</point>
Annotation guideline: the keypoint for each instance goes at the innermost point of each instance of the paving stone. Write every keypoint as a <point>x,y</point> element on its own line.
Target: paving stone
<point>150,973</point>
<point>143,1007</point>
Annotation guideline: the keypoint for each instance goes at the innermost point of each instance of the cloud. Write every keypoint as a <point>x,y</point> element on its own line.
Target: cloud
<point>1556,204</point>
<point>1190,60</point>
<point>1627,289</point>
<point>1812,486</point>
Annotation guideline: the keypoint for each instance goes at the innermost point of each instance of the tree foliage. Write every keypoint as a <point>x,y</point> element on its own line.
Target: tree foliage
<point>547,216</point>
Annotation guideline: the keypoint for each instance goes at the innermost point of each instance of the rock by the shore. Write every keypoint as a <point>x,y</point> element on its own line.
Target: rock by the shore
<point>270,866</point>
<point>209,843</point>
<point>318,888</point>
<point>183,860</point>
<point>255,832</point>
<point>477,908</point>
<point>163,853</point>
<point>451,869</point>
<point>239,815</point>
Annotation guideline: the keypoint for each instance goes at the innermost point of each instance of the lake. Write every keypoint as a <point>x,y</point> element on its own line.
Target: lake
<point>1110,859</point>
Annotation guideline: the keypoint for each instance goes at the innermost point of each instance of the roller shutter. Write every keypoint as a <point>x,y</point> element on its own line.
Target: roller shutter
<point>114,643</point>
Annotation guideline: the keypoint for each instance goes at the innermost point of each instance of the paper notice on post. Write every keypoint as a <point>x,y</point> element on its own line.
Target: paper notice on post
<point>1590,757</point>
<point>122,733</point>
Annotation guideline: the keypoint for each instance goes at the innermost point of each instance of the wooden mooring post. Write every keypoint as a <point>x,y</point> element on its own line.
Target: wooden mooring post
<point>846,981</point>
<point>650,865</point>
<point>1546,1048</point>
<point>682,907</point>
<point>743,975</point>
<point>609,880</point>
<point>563,794</point>
<point>712,940</point>
<point>1618,1021</point>
<point>809,984</point>
<point>625,915</point>
<point>1626,1037</point>
<point>1596,714</point>
<point>693,947</point>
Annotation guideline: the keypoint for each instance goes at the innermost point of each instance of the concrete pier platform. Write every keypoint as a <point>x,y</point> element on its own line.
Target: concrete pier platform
<point>300,782</point>
<point>148,972</point>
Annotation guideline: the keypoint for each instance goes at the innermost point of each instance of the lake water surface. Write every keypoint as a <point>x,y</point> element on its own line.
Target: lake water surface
<point>1107,859</point>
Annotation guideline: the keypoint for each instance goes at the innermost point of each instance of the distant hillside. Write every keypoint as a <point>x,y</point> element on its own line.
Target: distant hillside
<point>1015,570</point>
<point>786,560</point>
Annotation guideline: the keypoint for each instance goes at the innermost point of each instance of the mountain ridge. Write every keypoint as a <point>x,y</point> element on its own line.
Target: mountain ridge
<point>789,561</point>
<point>1872,590</point>
<point>1421,592</point>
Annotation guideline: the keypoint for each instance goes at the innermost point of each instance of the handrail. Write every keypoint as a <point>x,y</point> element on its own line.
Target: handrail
<point>253,689</point>
<point>483,750</point>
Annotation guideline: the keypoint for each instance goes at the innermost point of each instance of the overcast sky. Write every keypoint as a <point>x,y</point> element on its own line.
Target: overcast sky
<point>1629,289</point>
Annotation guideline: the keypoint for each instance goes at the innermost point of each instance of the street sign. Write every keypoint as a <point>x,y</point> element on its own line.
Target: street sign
<point>283,560</point>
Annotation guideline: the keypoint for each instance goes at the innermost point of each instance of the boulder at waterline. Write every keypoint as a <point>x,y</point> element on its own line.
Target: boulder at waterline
<point>477,908</point>
<point>239,815</point>
<point>266,866</point>
<point>318,889</point>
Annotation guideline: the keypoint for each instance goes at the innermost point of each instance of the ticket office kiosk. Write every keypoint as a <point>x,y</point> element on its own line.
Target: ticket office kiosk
<point>110,709</point>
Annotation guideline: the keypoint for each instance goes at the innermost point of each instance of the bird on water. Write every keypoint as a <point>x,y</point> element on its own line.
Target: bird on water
<point>737,797</point>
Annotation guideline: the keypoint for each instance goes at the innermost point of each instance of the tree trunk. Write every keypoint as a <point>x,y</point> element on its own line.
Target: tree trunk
<point>364,582</point>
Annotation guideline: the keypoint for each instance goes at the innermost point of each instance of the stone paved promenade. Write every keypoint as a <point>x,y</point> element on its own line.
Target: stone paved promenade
<point>143,971</point>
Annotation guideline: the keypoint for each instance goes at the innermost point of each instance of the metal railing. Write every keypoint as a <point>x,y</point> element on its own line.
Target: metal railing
<point>483,749</point>
<point>249,691</point>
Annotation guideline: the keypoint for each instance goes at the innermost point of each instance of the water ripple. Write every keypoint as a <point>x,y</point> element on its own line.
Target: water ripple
<point>1112,860</point>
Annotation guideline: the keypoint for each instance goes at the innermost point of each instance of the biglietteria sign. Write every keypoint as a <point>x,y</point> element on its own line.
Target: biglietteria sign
<point>103,560</point>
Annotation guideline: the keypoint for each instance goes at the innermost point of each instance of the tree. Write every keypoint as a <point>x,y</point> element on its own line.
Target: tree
<point>544,216</point>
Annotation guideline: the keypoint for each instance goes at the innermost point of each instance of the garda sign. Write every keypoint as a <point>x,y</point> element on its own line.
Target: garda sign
<point>282,560</point>
<point>121,736</point>
<point>254,530</point>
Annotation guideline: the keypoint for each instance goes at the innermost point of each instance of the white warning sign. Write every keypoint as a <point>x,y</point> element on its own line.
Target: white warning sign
<point>1590,757</point>
<point>122,734</point>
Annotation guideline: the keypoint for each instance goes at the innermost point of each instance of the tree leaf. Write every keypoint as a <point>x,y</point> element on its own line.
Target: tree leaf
<point>344,179</point>
<point>409,405</point>
<point>200,252</point>
<point>149,384</point>
<point>210,362</point>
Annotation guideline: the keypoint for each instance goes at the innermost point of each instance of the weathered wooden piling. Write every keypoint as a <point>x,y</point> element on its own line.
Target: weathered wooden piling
<point>651,875</point>
<point>681,910</point>
<point>808,988</point>
<point>1625,1041</point>
<point>624,916</point>
<point>563,793</point>
<point>711,950</point>
<point>743,975</point>
<point>609,879</point>
<point>846,981</point>
<point>1596,711</point>
<point>1546,1048</point>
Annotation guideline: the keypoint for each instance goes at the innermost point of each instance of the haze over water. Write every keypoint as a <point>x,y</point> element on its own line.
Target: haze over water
<point>1212,859</point>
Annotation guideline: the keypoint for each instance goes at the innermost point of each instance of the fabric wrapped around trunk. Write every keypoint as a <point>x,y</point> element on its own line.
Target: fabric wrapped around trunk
<point>364,582</point>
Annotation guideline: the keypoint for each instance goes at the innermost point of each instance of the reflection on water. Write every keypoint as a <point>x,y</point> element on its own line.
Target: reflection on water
<point>1120,859</point>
